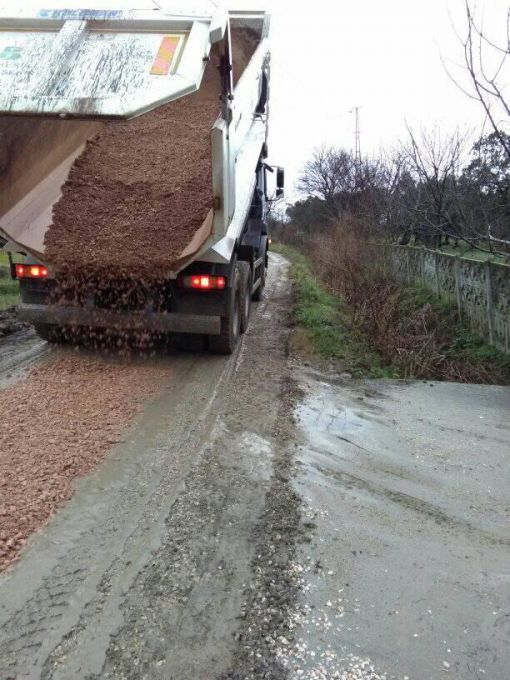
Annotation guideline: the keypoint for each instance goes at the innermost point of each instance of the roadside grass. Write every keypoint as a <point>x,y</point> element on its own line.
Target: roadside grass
<point>9,289</point>
<point>324,326</point>
<point>9,293</point>
<point>378,328</point>
<point>462,345</point>
<point>464,250</point>
<point>4,259</point>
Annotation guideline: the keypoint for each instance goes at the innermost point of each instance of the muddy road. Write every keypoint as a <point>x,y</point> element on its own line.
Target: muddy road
<point>262,520</point>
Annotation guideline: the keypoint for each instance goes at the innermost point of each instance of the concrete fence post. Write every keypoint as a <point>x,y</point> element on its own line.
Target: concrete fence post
<point>436,273</point>
<point>458,285</point>
<point>490,305</point>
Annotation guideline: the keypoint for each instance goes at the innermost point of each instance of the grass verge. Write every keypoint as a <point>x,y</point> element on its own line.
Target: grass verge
<point>466,252</point>
<point>377,328</point>
<point>323,324</point>
<point>464,352</point>
<point>9,290</point>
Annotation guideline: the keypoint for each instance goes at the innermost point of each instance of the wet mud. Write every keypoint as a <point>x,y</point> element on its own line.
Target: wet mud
<point>405,576</point>
<point>265,520</point>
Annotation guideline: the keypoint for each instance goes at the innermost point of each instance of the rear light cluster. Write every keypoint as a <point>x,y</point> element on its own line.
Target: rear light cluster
<point>203,282</point>
<point>31,271</point>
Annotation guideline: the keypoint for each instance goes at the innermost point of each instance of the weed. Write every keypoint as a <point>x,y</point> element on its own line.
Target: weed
<point>355,310</point>
<point>324,324</point>
<point>9,292</point>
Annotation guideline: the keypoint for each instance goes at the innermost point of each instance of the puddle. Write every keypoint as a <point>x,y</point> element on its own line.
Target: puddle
<point>407,486</point>
<point>327,422</point>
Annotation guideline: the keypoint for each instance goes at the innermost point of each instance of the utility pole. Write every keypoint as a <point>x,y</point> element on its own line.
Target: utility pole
<point>357,146</point>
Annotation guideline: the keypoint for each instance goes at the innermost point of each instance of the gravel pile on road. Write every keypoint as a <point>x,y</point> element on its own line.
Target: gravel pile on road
<point>142,188</point>
<point>55,426</point>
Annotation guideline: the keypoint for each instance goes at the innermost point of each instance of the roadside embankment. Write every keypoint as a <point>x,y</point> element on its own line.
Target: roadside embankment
<point>9,289</point>
<point>349,308</point>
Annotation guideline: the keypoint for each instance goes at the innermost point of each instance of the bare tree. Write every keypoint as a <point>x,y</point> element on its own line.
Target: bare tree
<point>329,175</point>
<point>391,201</point>
<point>488,68</point>
<point>434,159</point>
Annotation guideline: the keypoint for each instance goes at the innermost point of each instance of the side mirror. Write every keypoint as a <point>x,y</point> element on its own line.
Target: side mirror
<point>280,178</point>
<point>280,182</point>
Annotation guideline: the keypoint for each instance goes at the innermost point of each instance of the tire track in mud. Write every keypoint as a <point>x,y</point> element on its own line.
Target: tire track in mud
<point>222,583</point>
<point>431,511</point>
<point>157,553</point>
<point>272,598</point>
<point>18,352</point>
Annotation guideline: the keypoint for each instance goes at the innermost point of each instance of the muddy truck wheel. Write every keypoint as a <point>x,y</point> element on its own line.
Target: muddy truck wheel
<point>246,283</point>
<point>257,295</point>
<point>47,332</point>
<point>226,341</point>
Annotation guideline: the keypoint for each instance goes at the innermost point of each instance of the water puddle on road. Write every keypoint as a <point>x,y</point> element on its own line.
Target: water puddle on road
<point>328,421</point>
<point>403,577</point>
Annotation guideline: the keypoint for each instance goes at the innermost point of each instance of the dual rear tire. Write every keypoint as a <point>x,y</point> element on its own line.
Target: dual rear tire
<point>232,325</point>
<point>46,332</point>
<point>238,312</point>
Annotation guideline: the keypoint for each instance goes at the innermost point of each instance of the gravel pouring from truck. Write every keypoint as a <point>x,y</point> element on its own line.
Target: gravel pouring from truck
<point>151,59</point>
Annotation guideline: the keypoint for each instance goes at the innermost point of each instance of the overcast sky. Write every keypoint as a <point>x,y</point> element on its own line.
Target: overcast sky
<point>381,55</point>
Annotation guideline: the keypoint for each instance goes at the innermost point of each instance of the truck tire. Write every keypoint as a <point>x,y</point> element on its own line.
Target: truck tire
<point>226,341</point>
<point>257,295</point>
<point>245,270</point>
<point>46,332</point>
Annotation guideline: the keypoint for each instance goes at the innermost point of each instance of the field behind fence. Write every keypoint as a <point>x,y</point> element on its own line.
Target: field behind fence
<point>481,290</point>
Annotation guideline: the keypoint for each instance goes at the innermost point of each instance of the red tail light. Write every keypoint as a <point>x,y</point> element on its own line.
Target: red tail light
<point>31,271</point>
<point>203,282</point>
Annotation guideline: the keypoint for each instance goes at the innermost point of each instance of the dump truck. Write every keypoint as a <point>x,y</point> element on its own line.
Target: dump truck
<point>64,73</point>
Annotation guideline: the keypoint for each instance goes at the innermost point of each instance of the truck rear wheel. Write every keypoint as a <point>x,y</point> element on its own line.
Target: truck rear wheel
<point>245,295</point>
<point>226,341</point>
<point>257,295</point>
<point>46,331</point>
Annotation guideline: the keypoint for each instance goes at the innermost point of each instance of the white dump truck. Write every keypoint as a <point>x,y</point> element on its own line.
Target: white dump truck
<point>97,65</point>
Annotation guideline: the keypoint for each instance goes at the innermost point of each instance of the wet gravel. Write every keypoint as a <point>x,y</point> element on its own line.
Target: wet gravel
<point>272,597</point>
<point>56,425</point>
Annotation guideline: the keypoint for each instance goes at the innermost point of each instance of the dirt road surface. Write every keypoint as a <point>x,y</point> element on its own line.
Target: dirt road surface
<point>262,520</point>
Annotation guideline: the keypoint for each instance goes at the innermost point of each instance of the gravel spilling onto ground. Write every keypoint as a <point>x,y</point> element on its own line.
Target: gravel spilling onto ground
<point>142,188</point>
<point>55,426</point>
